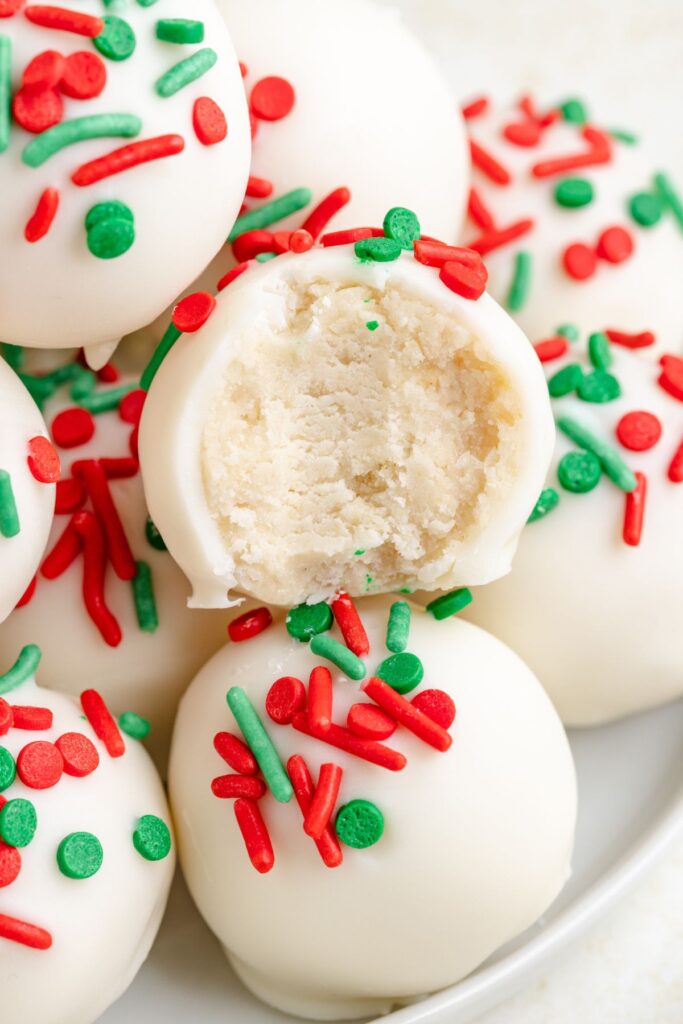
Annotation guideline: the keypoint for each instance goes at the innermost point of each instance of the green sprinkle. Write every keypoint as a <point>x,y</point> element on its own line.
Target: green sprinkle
<point>569,331</point>
<point>669,196</point>
<point>579,472</point>
<point>521,281</point>
<point>38,388</point>
<point>377,250</point>
<point>63,374</point>
<point>147,3</point>
<point>623,136</point>
<point>117,41</point>
<point>79,129</point>
<point>5,91</point>
<point>110,210</point>
<point>600,351</point>
<point>372,325</point>
<point>266,257</point>
<point>135,726</point>
<point>23,668</point>
<point>547,501</point>
<point>398,627</point>
<point>152,838</point>
<point>403,226</point>
<point>359,824</point>
<point>180,30</point>
<point>346,661</point>
<point>18,823</point>
<point>9,516</point>
<point>574,111</point>
<point>143,595</point>
<point>8,769</point>
<point>84,385</point>
<point>359,552</point>
<point>645,208</point>
<point>169,339</point>
<point>599,387</point>
<point>260,744</point>
<point>450,604</point>
<point>611,461</point>
<point>107,400</point>
<point>403,671</point>
<point>80,855</point>
<point>307,620</point>
<point>565,380</point>
<point>110,239</point>
<point>270,213</point>
<point>185,72</point>
<point>13,355</point>
<point>154,538</point>
<point>574,192</point>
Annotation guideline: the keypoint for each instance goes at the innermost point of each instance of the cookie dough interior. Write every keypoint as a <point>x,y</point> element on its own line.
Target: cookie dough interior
<point>356,441</point>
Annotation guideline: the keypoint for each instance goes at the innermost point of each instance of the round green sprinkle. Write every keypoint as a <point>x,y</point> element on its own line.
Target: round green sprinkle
<point>565,380</point>
<point>359,824</point>
<point>579,472</point>
<point>611,461</point>
<point>547,501</point>
<point>135,726</point>
<point>645,208</point>
<point>171,335</point>
<point>521,282</point>
<point>574,111</point>
<point>272,212</point>
<point>403,671</point>
<point>111,210</point>
<point>111,238</point>
<point>106,400</point>
<point>599,387</point>
<point>180,30</point>
<point>154,538</point>
<point>260,744</point>
<point>574,192</point>
<point>325,646</point>
<point>80,855</point>
<point>117,41</point>
<point>23,668</point>
<point>377,250</point>
<point>152,838</point>
<point>143,596</point>
<point>372,325</point>
<point>569,331</point>
<point>185,72</point>
<point>403,226</point>
<point>398,627</point>
<point>8,769</point>
<point>79,129</point>
<point>18,823</point>
<point>9,514</point>
<point>450,604</point>
<point>307,620</point>
<point>600,351</point>
<point>5,91</point>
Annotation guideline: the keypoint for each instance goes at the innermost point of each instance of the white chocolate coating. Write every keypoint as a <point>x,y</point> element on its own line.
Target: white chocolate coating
<point>477,841</point>
<point>55,293</point>
<point>172,438</point>
<point>102,927</point>
<point>20,421</point>
<point>596,619</point>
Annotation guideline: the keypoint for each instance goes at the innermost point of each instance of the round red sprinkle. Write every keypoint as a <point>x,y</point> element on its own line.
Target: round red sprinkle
<point>208,121</point>
<point>31,718</point>
<point>235,753</point>
<point>580,261</point>
<point>192,312</point>
<point>437,705</point>
<point>84,77</point>
<point>107,374</point>
<point>44,71</point>
<point>72,427</point>
<point>244,627</point>
<point>638,431</point>
<point>40,765</point>
<point>130,406</point>
<point>9,7</point>
<point>272,98</point>
<point>370,722</point>
<point>43,460</point>
<point>37,110</point>
<point>615,245</point>
<point>464,280</point>
<point>286,697</point>
<point>10,864</point>
<point>6,717</point>
<point>79,754</point>
<point>551,348</point>
<point>523,133</point>
<point>300,241</point>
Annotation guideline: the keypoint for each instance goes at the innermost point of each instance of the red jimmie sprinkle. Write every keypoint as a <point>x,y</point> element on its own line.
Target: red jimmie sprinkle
<point>350,236</point>
<point>107,374</point>
<point>285,698</point>
<point>615,245</point>
<point>40,765</point>
<point>475,107</point>
<point>70,496</point>
<point>300,777</point>
<point>42,217</point>
<point>6,717</point>
<point>406,714</point>
<point>209,121</point>
<point>193,311</point>
<point>10,865</point>
<point>28,593</point>
<point>14,930</point>
<point>599,152</point>
<point>319,699</point>
<point>272,98</point>
<point>97,486</point>
<point>103,725</point>
<point>31,718</point>
<point>131,405</point>
<point>65,551</point>
<point>634,512</point>
<point>246,626</point>
<point>320,811</point>
<point>641,340</point>
<point>79,753</point>
<point>118,468</point>
<point>322,214</point>
<point>551,348</point>
<point>65,20</point>
<point>675,471</point>
<point>437,254</point>
<point>495,239</point>
<point>479,212</point>
<point>488,165</point>
<point>437,705</point>
<point>9,7</point>
<point>94,567</point>
<point>342,739</point>
<point>255,835</point>
<point>72,427</point>
<point>252,244</point>
<point>123,159</point>
<point>523,133</point>
<point>369,722</point>
<point>464,280</point>
<point>36,110</point>
<point>235,753</point>
<point>232,275</point>
<point>233,787</point>
<point>349,622</point>
<point>671,379</point>
<point>84,76</point>
<point>580,261</point>
<point>259,188</point>
<point>43,460</point>
<point>639,430</point>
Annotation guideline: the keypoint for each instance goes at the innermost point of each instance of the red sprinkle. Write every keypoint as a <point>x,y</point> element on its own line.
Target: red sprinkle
<point>235,753</point>
<point>43,460</point>
<point>193,311</point>
<point>252,244</point>
<point>599,152</point>
<point>123,159</point>
<point>342,739</point>
<point>675,472</point>
<point>36,110</point>
<point>437,254</point>
<point>94,567</point>
<point>131,405</point>
<point>635,511</point>
<point>79,753</point>
<point>40,765</point>
<point>118,548</point>
<point>523,133</point>
<point>324,799</point>
<point>233,787</point>
<point>42,217</point>
<point>349,622</point>
<point>255,835</point>
<point>551,348</point>
<point>10,864</point>
<point>70,496</point>
<point>470,282</point>
<point>44,71</point>
<point>25,934</point>
<point>642,340</point>
<point>9,7</point>
<point>232,275</point>
<point>65,20</point>
<point>488,164</point>
<point>479,212</point>
<point>406,714</point>
<point>580,261</point>
<point>319,699</point>
<point>639,431</point>
<point>65,551</point>
<point>28,593</point>
<point>286,697</point>
<point>6,717</point>
<point>350,236</point>
<point>615,245</point>
<point>494,239</point>
<point>300,241</point>
<point>85,76</point>
<point>31,718</point>
<point>302,783</point>
<point>209,121</point>
<point>107,374</point>
<point>475,107</point>
<point>322,214</point>
<point>671,379</point>
<point>72,427</point>
<point>103,725</point>
<point>272,98</point>
<point>246,626</point>
<point>370,722</point>
<point>118,468</point>
<point>259,188</point>
<point>437,705</point>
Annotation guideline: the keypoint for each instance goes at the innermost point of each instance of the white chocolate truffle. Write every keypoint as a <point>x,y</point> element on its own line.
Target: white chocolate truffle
<point>597,619</point>
<point>153,662</point>
<point>54,292</point>
<point>88,935</point>
<point>476,843</point>
<point>341,424</point>
<point>26,503</point>
<point>636,295</point>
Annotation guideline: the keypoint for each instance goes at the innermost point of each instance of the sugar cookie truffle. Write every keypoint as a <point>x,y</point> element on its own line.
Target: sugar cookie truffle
<point>577,224</point>
<point>122,168</point>
<point>421,790</point>
<point>29,469</point>
<point>110,603</point>
<point>346,420</point>
<point>86,856</point>
<point>593,600</point>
